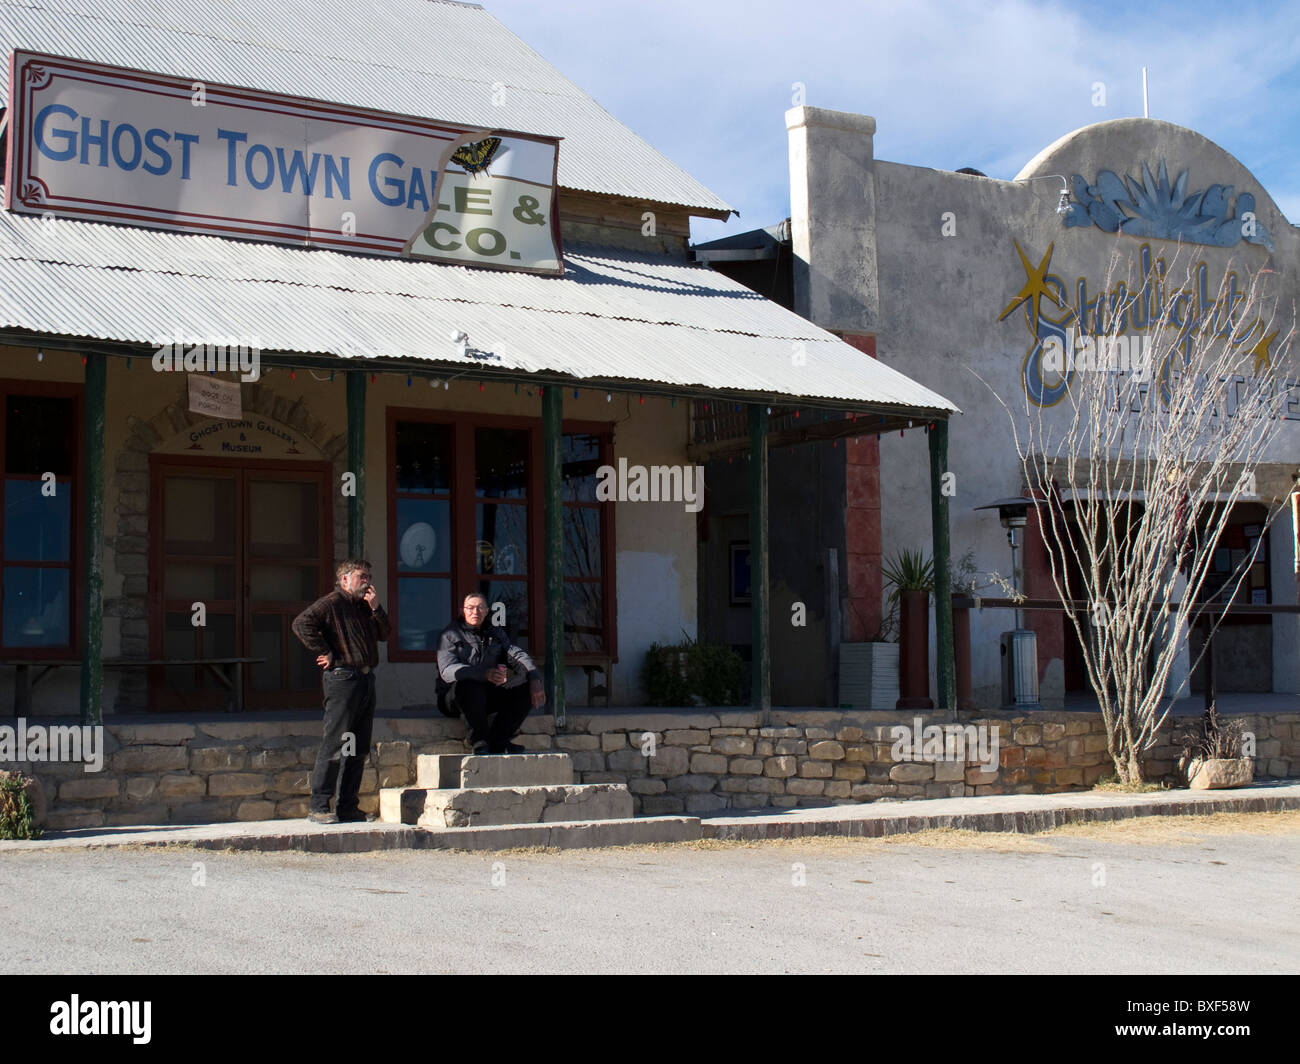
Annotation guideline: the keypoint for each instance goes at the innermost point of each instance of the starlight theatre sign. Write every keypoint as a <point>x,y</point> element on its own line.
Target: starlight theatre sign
<point>131,148</point>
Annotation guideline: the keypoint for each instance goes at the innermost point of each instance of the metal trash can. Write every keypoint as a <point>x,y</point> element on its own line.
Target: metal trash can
<point>1020,670</point>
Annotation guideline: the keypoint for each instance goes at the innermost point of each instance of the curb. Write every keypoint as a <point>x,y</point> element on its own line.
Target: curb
<point>1026,815</point>
<point>1021,821</point>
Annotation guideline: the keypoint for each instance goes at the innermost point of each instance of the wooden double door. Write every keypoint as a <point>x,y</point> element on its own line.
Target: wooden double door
<point>237,550</point>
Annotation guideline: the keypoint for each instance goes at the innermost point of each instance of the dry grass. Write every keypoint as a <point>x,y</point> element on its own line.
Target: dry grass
<point>1110,783</point>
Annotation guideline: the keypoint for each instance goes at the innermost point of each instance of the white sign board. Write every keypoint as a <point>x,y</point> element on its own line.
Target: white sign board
<point>214,398</point>
<point>102,143</point>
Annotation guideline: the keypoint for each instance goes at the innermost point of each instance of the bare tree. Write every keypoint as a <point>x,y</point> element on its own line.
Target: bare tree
<point>1137,465</point>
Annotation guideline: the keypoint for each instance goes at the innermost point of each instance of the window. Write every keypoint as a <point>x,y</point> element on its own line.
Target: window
<point>465,515</point>
<point>39,544</point>
<point>1232,560</point>
<point>421,524</point>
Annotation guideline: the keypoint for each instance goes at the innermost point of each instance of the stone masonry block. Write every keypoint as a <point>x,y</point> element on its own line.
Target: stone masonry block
<point>780,766</point>
<point>223,784</point>
<point>148,759</point>
<point>714,763</point>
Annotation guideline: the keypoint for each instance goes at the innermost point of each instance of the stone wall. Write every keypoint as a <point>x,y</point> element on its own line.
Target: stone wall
<point>196,770</point>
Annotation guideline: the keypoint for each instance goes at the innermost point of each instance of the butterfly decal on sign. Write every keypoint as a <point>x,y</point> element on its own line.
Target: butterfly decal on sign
<point>476,157</point>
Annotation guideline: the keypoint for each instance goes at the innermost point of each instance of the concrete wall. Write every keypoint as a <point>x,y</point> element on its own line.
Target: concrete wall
<point>945,252</point>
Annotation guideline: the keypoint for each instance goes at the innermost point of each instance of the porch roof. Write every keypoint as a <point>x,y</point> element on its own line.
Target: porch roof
<point>430,58</point>
<point>616,317</point>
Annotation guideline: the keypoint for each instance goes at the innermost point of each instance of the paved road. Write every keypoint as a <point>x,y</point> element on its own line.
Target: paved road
<point>1221,903</point>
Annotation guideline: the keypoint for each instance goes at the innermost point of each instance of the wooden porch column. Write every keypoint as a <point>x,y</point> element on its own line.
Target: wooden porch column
<point>92,509</point>
<point>553,562</point>
<point>761,697</point>
<point>356,400</point>
<point>945,672</point>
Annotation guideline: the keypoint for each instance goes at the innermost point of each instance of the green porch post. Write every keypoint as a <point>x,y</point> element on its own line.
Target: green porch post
<point>357,463</point>
<point>92,509</point>
<point>944,670</point>
<point>761,697</point>
<point>553,563</point>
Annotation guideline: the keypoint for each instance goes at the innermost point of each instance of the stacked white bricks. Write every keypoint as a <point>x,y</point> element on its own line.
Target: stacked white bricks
<point>466,792</point>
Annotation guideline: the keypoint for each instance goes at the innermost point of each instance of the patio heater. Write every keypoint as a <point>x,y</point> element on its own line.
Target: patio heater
<point>1019,646</point>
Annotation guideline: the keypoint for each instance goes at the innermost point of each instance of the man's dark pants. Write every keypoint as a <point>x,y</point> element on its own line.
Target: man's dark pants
<point>507,706</point>
<point>349,708</point>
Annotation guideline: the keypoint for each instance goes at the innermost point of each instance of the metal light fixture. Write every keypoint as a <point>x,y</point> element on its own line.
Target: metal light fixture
<point>1063,202</point>
<point>1019,647</point>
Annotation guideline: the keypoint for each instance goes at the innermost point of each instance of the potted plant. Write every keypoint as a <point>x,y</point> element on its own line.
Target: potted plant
<point>910,575</point>
<point>692,673</point>
<point>1212,754</point>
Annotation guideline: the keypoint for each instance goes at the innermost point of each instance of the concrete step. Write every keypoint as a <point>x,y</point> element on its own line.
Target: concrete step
<point>640,831</point>
<point>446,771</point>
<point>480,806</point>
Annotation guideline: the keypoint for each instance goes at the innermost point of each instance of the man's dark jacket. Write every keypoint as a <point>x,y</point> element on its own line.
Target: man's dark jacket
<point>466,653</point>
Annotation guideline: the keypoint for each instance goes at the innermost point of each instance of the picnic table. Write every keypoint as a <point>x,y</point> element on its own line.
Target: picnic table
<point>228,671</point>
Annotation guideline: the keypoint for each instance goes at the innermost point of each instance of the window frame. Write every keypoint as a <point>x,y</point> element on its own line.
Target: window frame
<point>464,501</point>
<point>10,386</point>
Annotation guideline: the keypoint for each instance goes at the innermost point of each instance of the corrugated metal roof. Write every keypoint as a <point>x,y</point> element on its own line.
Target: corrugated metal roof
<point>427,58</point>
<point>614,315</point>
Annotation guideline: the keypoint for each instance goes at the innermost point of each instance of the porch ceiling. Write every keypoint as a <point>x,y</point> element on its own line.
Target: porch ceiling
<point>614,318</point>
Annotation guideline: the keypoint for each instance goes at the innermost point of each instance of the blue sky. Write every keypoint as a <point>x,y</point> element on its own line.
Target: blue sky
<point>951,83</point>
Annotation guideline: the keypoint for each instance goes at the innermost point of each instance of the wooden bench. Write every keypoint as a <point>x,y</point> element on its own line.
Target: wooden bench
<point>228,671</point>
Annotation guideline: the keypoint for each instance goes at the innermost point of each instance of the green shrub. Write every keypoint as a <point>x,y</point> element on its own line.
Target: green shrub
<point>691,673</point>
<point>16,809</point>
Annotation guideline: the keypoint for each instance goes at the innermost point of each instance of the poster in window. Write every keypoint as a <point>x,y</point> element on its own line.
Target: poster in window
<point>740,588</point>
<point>1259,597</point>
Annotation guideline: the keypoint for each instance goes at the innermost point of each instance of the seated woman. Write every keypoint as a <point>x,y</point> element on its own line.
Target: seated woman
<point>481,675</point>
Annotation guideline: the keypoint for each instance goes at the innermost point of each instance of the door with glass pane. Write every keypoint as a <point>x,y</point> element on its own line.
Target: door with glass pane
<point>39,521</point>
<point>502,472</point>
<point>249,544</point>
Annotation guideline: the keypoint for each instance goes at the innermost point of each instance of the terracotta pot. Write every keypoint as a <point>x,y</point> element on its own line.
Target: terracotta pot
<point>961,656</point>
<point>914,650</point>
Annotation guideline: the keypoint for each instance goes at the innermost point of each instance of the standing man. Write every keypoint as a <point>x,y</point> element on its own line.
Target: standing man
<point>343,629</point>
<point>481,674</point>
